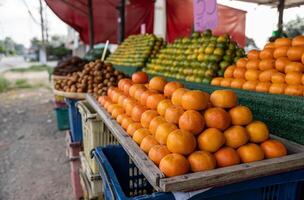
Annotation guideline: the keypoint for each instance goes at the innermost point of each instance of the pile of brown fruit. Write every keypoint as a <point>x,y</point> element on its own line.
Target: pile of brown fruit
<point>95,78</point>
<point>69,65</point>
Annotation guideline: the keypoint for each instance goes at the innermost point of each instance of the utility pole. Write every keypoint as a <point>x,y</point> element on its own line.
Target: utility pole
<point>91,24</point>
<point>42,51</point>
<point>121,21</point>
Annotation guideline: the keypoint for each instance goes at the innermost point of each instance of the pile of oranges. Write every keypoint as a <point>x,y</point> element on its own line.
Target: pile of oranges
<point>184,130</point>
<point>277,69</point>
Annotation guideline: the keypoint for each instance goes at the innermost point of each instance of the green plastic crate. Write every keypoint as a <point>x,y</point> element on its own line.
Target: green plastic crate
<point>62,117</point>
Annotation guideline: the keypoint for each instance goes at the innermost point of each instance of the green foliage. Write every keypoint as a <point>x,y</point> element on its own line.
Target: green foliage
<point>4,84</point>
<point>22,83</point>
<point>58,52</point>
<point>295,27</point>
<point>33,68</point>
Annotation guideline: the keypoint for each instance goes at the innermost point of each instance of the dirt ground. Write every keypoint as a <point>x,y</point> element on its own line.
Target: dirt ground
<point>33,164</point>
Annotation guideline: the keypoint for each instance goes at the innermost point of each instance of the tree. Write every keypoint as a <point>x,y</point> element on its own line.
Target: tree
<point>295,27</point>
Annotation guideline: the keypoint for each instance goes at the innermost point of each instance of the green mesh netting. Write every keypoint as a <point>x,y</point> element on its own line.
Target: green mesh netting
<point>128,70</point>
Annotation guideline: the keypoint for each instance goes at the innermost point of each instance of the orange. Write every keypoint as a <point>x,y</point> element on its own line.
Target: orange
<point>226,82</point>
<point>280,52</point>
<point>294,90</point>
<point>140,134</point>
<point>217,118</point>
<point>253,64</point>
<point>240,115</point>
<point>103,99</point>
<point>157,83</point>
<point>144,96</point>
<point>294,67</point>
<point>157,121</point>
<point>171,87</point>
<point>241,62</point>
<point>110,91</point>
<point>282,42</point>
<point>138,93</point>
<point>191,121</point>
<point>163,105</point>
<point>174,164</point>
<point>126,122</point>
<point>195,100</point>
<point>277,88</point>
<point>253,55</point>
<point>263,87</point>
<point>121,117</point>
<point>280,63</point>
<point>295,53</point>
<point>211,140</point>
<point>115,95</point>
<point>236,136</point>
<point>237,83</point>
<point>265,76</point>
<point>201,161</point>
<point>140,77</point>
<point>177,96</point>
<point>229,71</point>
<point>121,99</point>
<point>133,127</point>
<point>216,81</point>
<point>126,87</point>
<point>173,114</point>
<point>137,112</point>
<point>250,85</point>
<point>117,111</point>
<point>147,143</point>
<point>129,107</point>
<point>181,141</point>
<point>266,64</point>
<point>252,75</point>
<point>127,101</point>
<point>293,78</point>
<point>302,59</point>
<point>111,107</point>
<point>302,79</point>
<point>273,149</point>
<point>123,82</point>
<point>269,45</point>
<point>239,73</point>
<point>250,153</point>
<point>226,156</point>
<point>134,88</point>
<point>153,100</point>
<point>162,132</point>
<point>266,54</point>
<point>146,117</point>
<point>298,41</point>
<point>224,98</point>
<point>278,78</point>
<point>258,131</point>
<point>157,152</point>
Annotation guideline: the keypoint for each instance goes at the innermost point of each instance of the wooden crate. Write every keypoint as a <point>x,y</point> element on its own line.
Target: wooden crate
<point>200,180</point>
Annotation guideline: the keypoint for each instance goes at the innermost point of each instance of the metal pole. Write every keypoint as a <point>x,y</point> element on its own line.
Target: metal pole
<point>91,24</point>
<point>121,21</point>
<point>281,11</point>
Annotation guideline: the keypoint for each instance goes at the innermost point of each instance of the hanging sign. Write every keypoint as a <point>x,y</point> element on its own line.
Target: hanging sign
<point>205,14</point>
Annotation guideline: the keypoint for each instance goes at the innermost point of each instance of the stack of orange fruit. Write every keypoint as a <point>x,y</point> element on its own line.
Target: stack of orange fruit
<point>184,130</point>
<point>277,69</point>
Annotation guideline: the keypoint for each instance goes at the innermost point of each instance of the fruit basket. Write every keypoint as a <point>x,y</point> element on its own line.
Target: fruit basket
<point>199,180</point>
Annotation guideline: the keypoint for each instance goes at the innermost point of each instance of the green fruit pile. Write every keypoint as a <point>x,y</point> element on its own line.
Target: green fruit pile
<point>135,50</point>
<point>198,58</point>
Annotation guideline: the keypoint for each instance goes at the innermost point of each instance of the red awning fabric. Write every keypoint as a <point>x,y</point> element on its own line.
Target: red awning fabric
<point>75,13</point>
<point>180,21</point>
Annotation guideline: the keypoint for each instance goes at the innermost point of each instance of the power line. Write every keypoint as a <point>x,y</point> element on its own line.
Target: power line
<point>30,13</point>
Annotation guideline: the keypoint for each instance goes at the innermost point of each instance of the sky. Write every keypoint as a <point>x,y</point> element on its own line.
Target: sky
<point>16,22</point>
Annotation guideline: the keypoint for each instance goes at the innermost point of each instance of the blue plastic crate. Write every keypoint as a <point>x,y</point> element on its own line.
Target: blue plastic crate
<point>75,120</point>
<point>122,182</point>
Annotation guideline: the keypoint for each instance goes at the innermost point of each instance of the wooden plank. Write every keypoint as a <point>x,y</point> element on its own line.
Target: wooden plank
<point>141,160</point>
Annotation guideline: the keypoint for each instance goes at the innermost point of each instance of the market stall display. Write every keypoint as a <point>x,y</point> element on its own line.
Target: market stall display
<point>68,66</point>
<point>198,58</point>
<point>277,69</point>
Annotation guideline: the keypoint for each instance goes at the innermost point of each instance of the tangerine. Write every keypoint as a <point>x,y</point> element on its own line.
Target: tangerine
<point>226,156</point>
<point>157,121</point>
<point>192,121</point>
<point>250,153</point>
<point>201,161</point>
<point>240,115</point>
<point>181,141</point>
<point>174,164</point>
<point>173,114</point>
<point>162,132</point>
<point>195,100</point>
<point>273,148</point>
<point>177,96</point>
<point>217,118</point>
<point>146,118</point>
<point>157,83</point>
<point>257,131</point>
<point>147,143</point>
<point>140,134</point>
<point>133,127</point>
<point>211,140</point>
<point>224,98</point>
<point>236,136</point>
<point>157,152</point>
<point>171,87</point>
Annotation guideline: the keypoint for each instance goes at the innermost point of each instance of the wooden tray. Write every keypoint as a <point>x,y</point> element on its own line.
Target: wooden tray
<point>200,180</point>
<point>70,95</point>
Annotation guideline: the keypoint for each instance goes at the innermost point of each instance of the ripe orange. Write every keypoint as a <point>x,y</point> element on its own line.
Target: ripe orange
<point>163,105</point>
<point>217,118</point>
<point>236,136</point>
<point>250,85</point>
<point>262,87</point>
<point>294,90</point>
<point>109,91</point>
<point>115,95</point>
<point>298,41</point>
<point>229,71</point>
<point>195,100</point>
<point>266,64</point>
<point>121,99</point>
<point>266,54</point>
<point>240,115</point>
<point>117,111</point>
<point>138,93</point>
<point>126,87</point>
<point>239,73</point>
<point>278,78</point>
<point>201,161</point>
<point>157,121</point>
<point>269,45</point>
<point>282,42</point>
<point>257,131</point>
<point>253,55</point>
<point>265,76</point>
<point>122,82</point>
<point>280,63</point>
<point>181,141</point>
<point>129,107</point>
<point>217,81</point>
<point>224,98</point>
<point>192,121</point>
<point>147,143</point>
<point>140,134</point>
<point>121,117</point>
<point>140,77</point>
<point>153,100</point>
<point>134,88</point>
<point>273,149</point>
<point>146,117</point>
<point>177,96</point>
<point>157,83</point>
<point>162,132</point>
<point>294,67</point>
<point>252,75</point>
<point>226,82</point>
<point>133,127</point>
<point>280,52</point>
<point>126,122</point>
<point>237,83</point>
<point>171,87</point>
<point>111,107</point>
<point>174,164</point>
<point>226,156</point>
<point>277,88</point>
<point>144,96</point>
<point>173,114</point>
<point>250,153</point>
<point>302,59</point>
<point>295,53</point>
<point>137,112</point>
<point>157,152</point>
<point>241,62</point>
<point>293,78</point>
<point>211,140</point>
<point>253,64</point>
